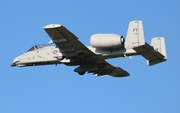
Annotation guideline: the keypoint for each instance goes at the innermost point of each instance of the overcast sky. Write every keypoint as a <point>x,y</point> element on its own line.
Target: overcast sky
<point>57,89</point>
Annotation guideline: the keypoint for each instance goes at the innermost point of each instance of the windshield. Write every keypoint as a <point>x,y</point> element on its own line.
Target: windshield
<point>39,46</point>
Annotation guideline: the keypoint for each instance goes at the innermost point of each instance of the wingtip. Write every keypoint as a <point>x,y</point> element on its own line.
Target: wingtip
<point>50,26</point>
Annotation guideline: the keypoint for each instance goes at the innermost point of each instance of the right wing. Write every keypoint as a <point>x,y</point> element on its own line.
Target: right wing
<point>72,48</point>
<point>67,42</point>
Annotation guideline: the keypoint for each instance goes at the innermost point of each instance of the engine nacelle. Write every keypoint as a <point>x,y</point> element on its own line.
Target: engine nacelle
<point>107,41</point>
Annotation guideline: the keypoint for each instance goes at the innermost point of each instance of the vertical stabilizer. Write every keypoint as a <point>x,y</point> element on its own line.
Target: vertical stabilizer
<point>135,35</point>
<point>158,43</point>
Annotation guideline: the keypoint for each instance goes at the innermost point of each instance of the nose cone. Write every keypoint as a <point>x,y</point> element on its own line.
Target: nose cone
<point>15,62</point>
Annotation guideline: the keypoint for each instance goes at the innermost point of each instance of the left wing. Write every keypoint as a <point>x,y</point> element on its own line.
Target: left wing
<point>72,48</point>
<point>101,67</point>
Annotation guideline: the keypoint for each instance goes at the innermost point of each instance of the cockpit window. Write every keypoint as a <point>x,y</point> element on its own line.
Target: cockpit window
<point>36,47</point>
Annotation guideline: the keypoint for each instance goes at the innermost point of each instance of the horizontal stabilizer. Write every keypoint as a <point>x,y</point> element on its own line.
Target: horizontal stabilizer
<point>154,53</point>
<point>158,44</point>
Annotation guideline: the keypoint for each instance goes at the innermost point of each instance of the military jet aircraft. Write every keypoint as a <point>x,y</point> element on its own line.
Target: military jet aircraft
<point>70,51</point>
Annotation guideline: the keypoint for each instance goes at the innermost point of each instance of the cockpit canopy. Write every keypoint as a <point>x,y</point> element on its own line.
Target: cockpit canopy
<point>39,46</point>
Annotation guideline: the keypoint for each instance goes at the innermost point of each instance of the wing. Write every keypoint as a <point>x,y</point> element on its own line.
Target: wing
<point>66,41</point>
<point>72,48</point>
<point>101,67</point>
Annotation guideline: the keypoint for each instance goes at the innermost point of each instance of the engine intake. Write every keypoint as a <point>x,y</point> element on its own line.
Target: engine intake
<point>107,41</point>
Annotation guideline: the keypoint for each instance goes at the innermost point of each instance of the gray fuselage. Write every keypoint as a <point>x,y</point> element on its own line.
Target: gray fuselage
<point>47,54</point>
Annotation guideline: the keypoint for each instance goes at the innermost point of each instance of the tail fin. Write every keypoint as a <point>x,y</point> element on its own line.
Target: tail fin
<point>135,35</point>
<point>158,43</point>
<point>154,53</point>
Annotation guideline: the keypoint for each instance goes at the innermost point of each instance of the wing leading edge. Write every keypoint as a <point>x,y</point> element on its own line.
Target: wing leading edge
<point>69,44</point>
